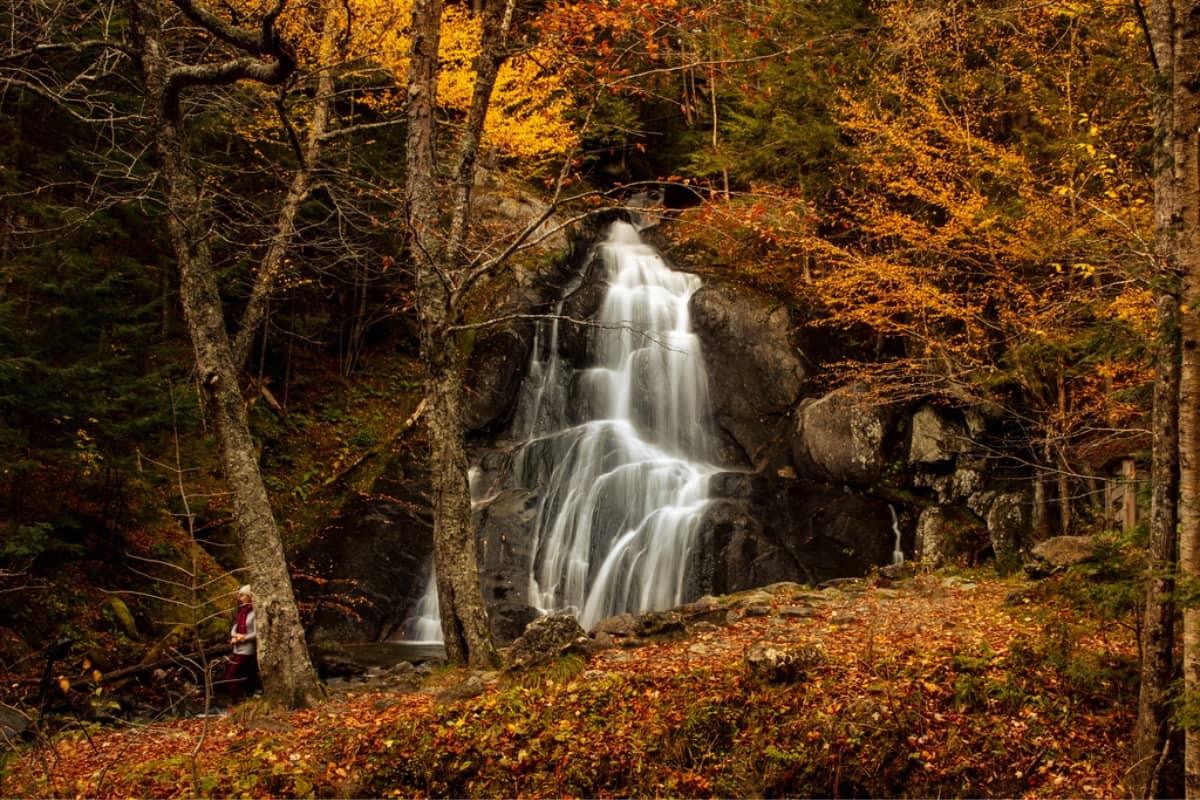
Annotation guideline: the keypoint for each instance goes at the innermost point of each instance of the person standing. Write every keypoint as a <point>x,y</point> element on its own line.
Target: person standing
<point>243,664</point>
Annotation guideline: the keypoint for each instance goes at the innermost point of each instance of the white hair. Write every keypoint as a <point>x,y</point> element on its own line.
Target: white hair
<point>246,591</point>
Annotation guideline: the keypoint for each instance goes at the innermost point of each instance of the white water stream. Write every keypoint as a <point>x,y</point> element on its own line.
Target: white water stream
<point>621,491</point>
<point>619,453</point>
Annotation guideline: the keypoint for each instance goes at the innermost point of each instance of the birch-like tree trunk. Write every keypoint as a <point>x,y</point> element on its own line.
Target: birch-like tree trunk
<point>1152,730</point>
<point>1174,32</point>
<point>287,672</point>
<point>1183,246</point>
<point>442,279</point>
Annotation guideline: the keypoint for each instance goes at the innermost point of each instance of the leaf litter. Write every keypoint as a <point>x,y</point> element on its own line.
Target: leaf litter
<point>935,686</point>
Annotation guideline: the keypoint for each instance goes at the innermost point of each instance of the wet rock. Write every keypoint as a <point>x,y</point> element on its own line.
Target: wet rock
<point>334,661</point>
<point>660,625</point>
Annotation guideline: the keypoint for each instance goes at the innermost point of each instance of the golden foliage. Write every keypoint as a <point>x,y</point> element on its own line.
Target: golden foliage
<point>990,240</point>
<point>530,115</point>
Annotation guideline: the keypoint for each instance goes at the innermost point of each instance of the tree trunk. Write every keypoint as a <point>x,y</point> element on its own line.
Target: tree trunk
<point>1174,33</point>
<point>464,617</point>
<point>1189,529</point>
<point>1041,507</point>
<point>465,625</point>
<point>287,672</point>
<point>1065,513</point>
<point>1184,245</point>
<point>1152,729</point>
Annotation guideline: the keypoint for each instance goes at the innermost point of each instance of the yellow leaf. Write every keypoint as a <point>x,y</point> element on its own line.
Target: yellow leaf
<point>64,684</point>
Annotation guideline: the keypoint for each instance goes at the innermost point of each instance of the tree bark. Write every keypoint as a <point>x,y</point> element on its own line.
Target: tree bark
<point>1174,35</point>
<point>1183,244</point>
<point>465,627</point>
<point>287,672</point>
<point>1158,669</point>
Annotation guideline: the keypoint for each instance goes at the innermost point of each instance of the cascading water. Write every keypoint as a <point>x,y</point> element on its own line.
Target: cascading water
<point>897,550</point>
<point>619,453</point>
<point>424,624</point>
<point>623,490</point>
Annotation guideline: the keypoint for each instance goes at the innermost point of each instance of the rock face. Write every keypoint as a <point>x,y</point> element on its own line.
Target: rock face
<point>499,354</point>
<point>935,438</point>
<point>1008,519</point>
<point>763,529</point>
<point>372,559</point>
<point>821,485</point>
<point>494,374</point>
<point>949,534</point>
<point>505,552</point>
<point>756,370</point>
<point>844,437</point>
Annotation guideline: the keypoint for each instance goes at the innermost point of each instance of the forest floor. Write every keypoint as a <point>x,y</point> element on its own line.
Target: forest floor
<point>937,685</point>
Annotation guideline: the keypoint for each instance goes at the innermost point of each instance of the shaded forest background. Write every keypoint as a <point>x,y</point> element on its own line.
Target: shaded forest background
<point>960,192</point>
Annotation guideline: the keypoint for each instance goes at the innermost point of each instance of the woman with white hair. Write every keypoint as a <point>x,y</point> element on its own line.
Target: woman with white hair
<point>243,664</point>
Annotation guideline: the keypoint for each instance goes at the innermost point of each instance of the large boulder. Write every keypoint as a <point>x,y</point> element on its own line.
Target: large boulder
<point>772,663</point>
<point>950,535</point>
<point>936,437</point>
<point>756,371</point>
<point>1060,552</point>
<point>547,639</point>
<point>847,437</point>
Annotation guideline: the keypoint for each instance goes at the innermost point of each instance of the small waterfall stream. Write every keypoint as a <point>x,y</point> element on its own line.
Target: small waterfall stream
<point>424,624</point>
<point>897,549</point>
<point>619,453</point>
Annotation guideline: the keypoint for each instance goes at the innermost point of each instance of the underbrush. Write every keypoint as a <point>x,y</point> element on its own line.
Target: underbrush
<point>926,720</point>
<point>946,687</point>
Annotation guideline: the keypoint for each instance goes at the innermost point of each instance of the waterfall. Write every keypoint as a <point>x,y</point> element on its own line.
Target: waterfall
<point>424,624</point>
<point>619,453</point>
<point>623,487</point>
<point>897,551</point>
